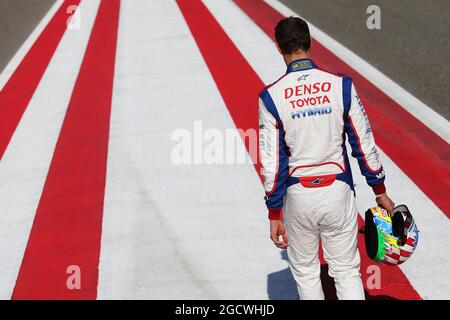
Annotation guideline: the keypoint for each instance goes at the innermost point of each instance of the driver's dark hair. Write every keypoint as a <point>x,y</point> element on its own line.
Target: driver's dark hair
<point>292,34</point>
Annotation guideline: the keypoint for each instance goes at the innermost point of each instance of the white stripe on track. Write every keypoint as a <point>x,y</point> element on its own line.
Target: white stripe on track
<point>406,100</point>
<point>25,164</point>
<point>175,231</point>
<point>25,47</point>
<point>428,265</point>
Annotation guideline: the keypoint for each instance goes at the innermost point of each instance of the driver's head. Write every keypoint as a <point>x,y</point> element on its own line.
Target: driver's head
<point>292,36</point>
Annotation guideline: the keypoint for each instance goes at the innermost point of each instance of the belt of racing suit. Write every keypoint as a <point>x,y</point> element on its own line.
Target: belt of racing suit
<point>320,181</point>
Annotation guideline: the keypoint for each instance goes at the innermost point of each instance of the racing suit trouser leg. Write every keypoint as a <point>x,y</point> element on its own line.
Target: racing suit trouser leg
<point>327,213</point>
<point>303,251</point>
<point>339,235</point>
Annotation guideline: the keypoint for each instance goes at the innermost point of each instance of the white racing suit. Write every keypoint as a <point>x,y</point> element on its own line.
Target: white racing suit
<point>304,119</point>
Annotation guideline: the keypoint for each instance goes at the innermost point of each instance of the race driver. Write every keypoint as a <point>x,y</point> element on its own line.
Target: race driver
<point>305,118</point>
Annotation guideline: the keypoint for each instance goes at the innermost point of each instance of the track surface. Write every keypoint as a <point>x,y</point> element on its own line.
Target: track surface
<point>411,47</point>
<point>90,119</point>
<point>18,18</point>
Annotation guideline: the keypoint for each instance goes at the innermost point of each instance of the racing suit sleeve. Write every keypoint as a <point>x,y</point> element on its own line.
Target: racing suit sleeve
<point>273,155</point>
<point>360,137</point>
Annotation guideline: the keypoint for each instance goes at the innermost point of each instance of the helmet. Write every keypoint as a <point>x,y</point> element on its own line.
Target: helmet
<point>390,239</point>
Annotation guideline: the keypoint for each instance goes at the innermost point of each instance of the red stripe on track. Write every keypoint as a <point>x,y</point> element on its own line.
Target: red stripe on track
<point>393,284</point>
<point>239,99</point>
<point>239,86</point>
<point>67,226</point>
<point>422,154</point>
<point>17,92</point>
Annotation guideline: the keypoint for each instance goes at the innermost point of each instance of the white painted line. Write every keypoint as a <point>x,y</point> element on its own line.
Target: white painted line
<point>26,46</point>
<point>175,231</point>
<point>407,101</point>
<point>26,161</point>
<point>256,47</point>
<point>423,271</point>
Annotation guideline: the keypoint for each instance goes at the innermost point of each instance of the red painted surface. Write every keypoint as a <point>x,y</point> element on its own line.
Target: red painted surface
<point>232,74</point>
<point>18,91</point>
<point>68,222</point>
<point>417,150</point>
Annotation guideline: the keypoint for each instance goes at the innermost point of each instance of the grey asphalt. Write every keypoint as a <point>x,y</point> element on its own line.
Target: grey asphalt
<point>412,47</point>
<point>18,18</point>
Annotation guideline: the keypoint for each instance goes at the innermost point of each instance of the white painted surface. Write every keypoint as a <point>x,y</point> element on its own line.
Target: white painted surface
<point>25,163</point>
<point>427,268</point>
<point>175,232</point>
<point>178,231</point>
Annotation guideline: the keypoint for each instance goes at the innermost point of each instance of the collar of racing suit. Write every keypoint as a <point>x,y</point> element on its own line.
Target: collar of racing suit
<point>300,65</point>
